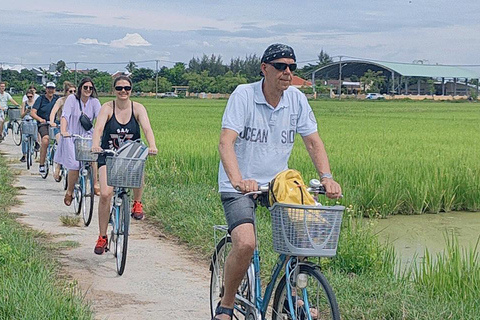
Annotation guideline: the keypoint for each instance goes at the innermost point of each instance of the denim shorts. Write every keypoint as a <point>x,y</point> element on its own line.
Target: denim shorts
<point>239,209</point>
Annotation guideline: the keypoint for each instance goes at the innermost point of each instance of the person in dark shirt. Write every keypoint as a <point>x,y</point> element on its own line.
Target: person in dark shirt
<point>41,112</point>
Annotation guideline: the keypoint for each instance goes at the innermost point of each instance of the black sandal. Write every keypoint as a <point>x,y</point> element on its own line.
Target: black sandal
<point>223,310</point>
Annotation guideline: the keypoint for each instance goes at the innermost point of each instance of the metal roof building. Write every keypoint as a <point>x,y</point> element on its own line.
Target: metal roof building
<point>398,74</point>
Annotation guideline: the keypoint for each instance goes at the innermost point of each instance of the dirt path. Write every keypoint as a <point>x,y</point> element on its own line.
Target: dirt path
<point>161,279</point>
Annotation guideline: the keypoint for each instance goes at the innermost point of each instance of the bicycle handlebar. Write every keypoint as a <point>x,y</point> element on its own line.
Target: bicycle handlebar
<point>315,187</point>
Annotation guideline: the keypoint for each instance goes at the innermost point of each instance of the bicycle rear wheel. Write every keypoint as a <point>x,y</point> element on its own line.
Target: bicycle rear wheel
<point>121,238</point>
<point>88,197</point>
<point>16,133</point>
<point>77,196</point>
<point>217,280</point>
<point>313,290</point>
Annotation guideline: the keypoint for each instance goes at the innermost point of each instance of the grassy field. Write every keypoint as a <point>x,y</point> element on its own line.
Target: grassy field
<point>390,158</point>
<point>30,283</point>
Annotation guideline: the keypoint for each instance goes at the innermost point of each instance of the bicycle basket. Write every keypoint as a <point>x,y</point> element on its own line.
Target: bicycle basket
<point>51,133</point>
<point>14,114</point>
<point>311,231</point>
<point>83,150</point>
<point>124,172</point>
<point>29,127</point>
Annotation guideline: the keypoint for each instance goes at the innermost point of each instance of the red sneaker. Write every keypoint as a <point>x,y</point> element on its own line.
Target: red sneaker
<point>137,210</point>
<point>101,245</point>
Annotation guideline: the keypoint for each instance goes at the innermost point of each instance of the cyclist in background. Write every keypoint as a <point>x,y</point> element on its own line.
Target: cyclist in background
<point>35,95</point>
<point>86,95</point>
<point>258,130</point>
<point>26,109</point>
<point>4,98</point>
<point>55,116</point>
<point>41,112</point>
<point>119,120</point>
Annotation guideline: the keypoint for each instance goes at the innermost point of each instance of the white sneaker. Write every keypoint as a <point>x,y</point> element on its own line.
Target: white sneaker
<point>41,169</point>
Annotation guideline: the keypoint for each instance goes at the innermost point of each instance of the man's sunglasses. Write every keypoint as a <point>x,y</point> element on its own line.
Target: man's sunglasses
<point>120,88</point>
<point>87,87</point>
<point>73,91</point>
<point>283,66</point>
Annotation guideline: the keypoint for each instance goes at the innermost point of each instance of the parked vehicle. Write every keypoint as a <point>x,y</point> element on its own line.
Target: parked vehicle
<point>375,96</point>
<point>169,95</point>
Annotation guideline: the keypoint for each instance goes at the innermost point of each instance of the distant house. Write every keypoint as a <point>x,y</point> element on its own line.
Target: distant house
<point>42,73</point>
<point>120,73</point>
<point>298,82</point>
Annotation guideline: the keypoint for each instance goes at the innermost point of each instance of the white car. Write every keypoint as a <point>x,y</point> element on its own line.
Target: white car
<point>169,95</point>
<point>375,96</point>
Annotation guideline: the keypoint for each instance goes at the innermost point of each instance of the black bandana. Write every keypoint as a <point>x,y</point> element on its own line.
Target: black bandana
<point>277,51</point>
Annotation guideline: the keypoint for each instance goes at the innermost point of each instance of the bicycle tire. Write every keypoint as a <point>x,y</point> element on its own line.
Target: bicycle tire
<point>123,225</point>
<point>320,298</point>
<point>64,175</point>
<point>16,133</point>
<point>77,196</point>
<point>88,197</point>
<point>46,164</point>
<point>51,163</point>
<point>29,152</point>
<point>217,281</point>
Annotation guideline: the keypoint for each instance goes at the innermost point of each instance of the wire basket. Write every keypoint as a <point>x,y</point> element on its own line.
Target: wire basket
<point>14,114</point>
<point>311,231</point>
<point>125,172</point>
<point>29,127</point>
<point>83,150</point>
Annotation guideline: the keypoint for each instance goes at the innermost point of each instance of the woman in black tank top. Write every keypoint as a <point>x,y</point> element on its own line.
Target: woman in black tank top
<point>119,120</point>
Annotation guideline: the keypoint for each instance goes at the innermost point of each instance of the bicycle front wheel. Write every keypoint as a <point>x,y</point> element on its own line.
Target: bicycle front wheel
<point>217,280</point>
<point>312,296</point>
<point>88,197</point>
<point>16,133</point>
<point>121,238</point>
<point>77,196</point>
<point>29,152</point>
<point>64,175</point>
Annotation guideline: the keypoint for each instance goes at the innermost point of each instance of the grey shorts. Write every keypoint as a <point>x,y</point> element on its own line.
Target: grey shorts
<point>239,209</point>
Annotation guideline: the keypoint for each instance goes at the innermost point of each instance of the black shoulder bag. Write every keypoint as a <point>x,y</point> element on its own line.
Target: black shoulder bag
<point>85,121</point>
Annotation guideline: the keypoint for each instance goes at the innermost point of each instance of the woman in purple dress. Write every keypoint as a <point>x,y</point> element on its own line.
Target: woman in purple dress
<point>84,100</point>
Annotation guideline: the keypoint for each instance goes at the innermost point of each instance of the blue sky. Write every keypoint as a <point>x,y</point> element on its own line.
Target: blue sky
<point>37,32</point>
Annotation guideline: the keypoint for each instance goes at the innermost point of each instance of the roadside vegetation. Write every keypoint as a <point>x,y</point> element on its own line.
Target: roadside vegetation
<point>390,158</point>
<point>30,283</point>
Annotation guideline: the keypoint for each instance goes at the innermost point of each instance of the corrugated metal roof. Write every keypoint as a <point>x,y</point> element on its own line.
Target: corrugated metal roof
<point>429,70</point>
<point>359,67</point>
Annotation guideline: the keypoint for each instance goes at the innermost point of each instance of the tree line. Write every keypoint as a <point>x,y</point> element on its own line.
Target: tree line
<point>201,74</point>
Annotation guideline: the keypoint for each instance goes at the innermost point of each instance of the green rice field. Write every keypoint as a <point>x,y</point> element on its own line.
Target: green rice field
<point>395,157</point>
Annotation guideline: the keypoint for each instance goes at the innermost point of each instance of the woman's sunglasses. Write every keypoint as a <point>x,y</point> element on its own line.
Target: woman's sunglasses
<point>120,88</point>
<point>87,87</point>
<point>73,90</point>
<point>280,66</point>
<point>29,97</point>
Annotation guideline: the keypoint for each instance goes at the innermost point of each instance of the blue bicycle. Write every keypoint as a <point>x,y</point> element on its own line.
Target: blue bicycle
<point>124,170</point>
<point>303,292</point>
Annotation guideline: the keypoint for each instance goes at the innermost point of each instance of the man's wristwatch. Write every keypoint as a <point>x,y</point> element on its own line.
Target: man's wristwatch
<point>326,175</point>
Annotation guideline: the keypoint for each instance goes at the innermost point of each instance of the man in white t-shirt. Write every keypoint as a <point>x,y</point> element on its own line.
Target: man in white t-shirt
<point>4,98</point>
<point>259,126</point>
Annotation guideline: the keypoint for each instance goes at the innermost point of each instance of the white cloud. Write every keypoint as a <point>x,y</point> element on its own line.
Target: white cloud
<point>206,44</point>
<point>89,41</point>
<point>130,40</point>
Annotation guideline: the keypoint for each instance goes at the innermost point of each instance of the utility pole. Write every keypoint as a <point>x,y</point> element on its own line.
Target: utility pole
<point>340,79</point>
<point>75,73</point>
<point>313,84</point>
<point>156,79</point>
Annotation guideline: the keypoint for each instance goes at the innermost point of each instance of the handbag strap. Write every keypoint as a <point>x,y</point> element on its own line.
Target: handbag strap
<point>81,110</point>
